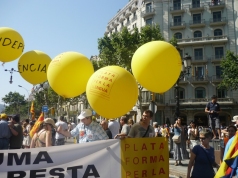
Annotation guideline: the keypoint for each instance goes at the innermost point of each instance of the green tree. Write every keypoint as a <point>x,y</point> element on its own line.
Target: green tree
<point>15,104</point>
<point>229,66</point>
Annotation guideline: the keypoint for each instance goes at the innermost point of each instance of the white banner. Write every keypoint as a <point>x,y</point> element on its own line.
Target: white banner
<point>86,160</point>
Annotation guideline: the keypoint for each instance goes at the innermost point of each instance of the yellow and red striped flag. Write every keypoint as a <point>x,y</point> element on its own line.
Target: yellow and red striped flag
<point>32,110</point>
<point>37,125</point>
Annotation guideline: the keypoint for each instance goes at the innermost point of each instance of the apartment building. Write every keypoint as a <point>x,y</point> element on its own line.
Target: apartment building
<point>205,30</point>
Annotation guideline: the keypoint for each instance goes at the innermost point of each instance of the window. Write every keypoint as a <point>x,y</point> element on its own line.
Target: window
<point>199,73</point>
<point>134,14</point>
<point>178,35</point>
<point>148,7</point>
<point>128,19</point>
<point>216,16</point>
<point>200,92</point>
<point>181,93</point>
<point>221,93</point>
<point>134,25</point>
<point>177,20</point>
<point>218,32</point>
<point>148,21</point>
<point>196,18</point>
<point>219,52</point>
<point>197,34</point>
<point>198,54</point>
<point>177,4</point>
<point>218,72</point>
<point>196,3</point>
<point>122,24</point>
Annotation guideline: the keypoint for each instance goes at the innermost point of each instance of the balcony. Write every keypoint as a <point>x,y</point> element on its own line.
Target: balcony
<point>175,10</point>
<point>199,60</point>
<point>158,100</point>
<point>197,23</point>
<point>196,7</point>
<point>199,79</point>
<point>121,18</point>
<point>202,101</point>
<point>128,13</point>
<point>134,7</point>
<point>149,12</point>
<point>216,59</point>
<point>216,6</point>
<point>216,79</point>
<point>115,24</point>
<point>177,25</point>
<point>202,40</point>
<point>134,19</point>
<point>218,21</point>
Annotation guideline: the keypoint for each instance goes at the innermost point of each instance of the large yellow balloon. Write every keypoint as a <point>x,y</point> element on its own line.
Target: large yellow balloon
<point>156,66</point>
<point>68,74</point>
<point>112,91</point>
<point>11,44</point>
<point>33,65</point>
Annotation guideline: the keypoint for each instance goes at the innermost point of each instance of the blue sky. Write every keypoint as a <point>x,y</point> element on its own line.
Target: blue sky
<point>54,26</point>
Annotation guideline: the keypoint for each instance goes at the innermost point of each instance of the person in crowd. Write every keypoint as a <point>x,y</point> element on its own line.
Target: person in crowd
<point>17,132</point>
<point>164,131</point>
<point>87,130</point>
<point>69,127</point>
<point>104,125</point>
<point>179,148</point>
<point>213,109</point>
<point>125,128</point>
<point>193,135</point>
<point>60,138</point>
<point>43,137</point>
<point>114,126</point>
<point>202,158</point>
<point>231,130</point>
<point>130,122</point>
<point>157,133</point>
<point>5,132</point>
<point>53,132</point>
<point>143,128</point>
<point>26,134</point>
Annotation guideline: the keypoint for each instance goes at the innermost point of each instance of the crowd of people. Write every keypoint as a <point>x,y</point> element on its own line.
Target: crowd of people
<point>16,135</point>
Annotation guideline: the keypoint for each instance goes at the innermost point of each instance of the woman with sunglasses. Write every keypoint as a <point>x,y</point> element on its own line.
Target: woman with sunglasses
<point>43,138</point>
<point>202,158</point>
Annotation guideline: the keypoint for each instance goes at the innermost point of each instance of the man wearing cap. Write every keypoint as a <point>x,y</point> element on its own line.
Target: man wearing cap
<point>213,109</point>
<point>5,132</point>
<point>87,130</point>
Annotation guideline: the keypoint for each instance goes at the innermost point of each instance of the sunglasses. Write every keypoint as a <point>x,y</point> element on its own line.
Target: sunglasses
<point>202,138</point>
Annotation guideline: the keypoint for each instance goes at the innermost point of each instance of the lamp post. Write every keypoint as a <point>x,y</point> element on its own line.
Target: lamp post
<point>28,113</point>
<point>186,65</point>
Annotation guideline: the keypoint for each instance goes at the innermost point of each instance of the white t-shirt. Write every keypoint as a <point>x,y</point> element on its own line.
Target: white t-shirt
<point>64,127</point>
<point>114,127</point>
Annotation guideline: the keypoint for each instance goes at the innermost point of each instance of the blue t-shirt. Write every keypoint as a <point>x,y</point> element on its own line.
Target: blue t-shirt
<point>213,107</point>
<point>202,167</point>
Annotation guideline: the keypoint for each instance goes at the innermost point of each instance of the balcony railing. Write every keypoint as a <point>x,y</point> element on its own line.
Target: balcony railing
<point>174,24</point>
<point>216,78</point>
<point>176,6</point>
<point>203,40</point>
<point>216,5</point>
<point>196,7</point>
<point>148,12</point>
<point>198,57</point>
<point>203,101</point>
<point>222,19</point>
<point>193,22</point>
<point>201,78</point>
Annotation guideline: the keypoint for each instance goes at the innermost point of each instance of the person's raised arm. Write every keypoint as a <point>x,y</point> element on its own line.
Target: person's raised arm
<point>66,133</point>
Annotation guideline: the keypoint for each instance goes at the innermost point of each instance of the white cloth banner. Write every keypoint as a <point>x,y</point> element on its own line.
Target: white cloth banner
<point>86,160</point>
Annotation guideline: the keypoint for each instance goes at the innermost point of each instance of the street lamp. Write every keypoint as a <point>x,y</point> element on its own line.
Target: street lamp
<point>186,65</point>
<point>28,113</point>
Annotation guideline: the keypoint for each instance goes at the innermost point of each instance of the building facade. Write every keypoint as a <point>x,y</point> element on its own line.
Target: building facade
<point>205,30</point>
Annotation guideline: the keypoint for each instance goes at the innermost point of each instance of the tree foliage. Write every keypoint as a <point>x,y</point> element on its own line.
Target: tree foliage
<point>229,66</point>
<point>16,104</point>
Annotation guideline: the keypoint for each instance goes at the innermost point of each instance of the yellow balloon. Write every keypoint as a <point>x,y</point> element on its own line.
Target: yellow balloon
<point>33,65</point>
<point>156,66</point>
<point>112,91</point>
<point>68,74</point>
<point>11,44</point>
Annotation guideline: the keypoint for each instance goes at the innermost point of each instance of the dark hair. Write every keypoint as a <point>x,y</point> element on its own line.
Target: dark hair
<point>206,132</point>
<point>61,118</point>
<point>149,112</point>
<point>214,97</point>
<point>27,121</point>
<point>232,126</point>
<point>16,118</point>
